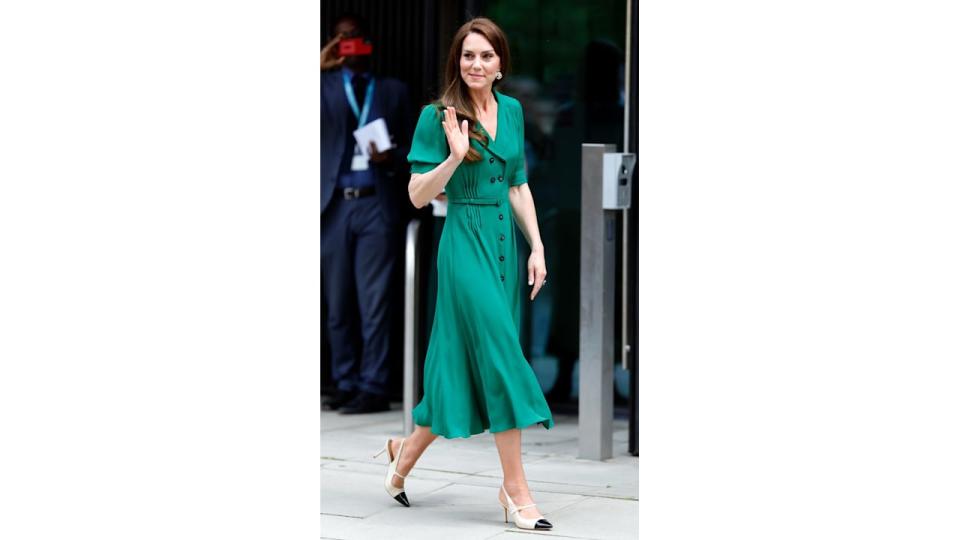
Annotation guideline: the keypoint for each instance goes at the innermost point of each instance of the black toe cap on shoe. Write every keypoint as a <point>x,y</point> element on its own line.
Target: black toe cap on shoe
<point>402,498</point>
<point>543,524</point>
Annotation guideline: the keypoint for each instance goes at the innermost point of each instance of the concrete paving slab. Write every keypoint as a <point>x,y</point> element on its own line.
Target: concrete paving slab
<point>523,534</point>
<point>600,519</point>
<point>625,492</point>
<point>584,472</point>
<point>380,470</point>
<point>355,445</point>
<point>413,484</point>
<point>453,489</point>
<point>333,420</point>
<point>536,487</point>
<point>440,456</point>
<point>471,508</point>
<point>465,460</point>
<point>348,494</point>
<point>404,526</point>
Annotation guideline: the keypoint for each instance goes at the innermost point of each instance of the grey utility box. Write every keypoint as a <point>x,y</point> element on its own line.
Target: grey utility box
<point>617,172</point>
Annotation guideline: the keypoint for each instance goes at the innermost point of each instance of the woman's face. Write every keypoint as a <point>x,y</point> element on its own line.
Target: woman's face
<point>478,62</point>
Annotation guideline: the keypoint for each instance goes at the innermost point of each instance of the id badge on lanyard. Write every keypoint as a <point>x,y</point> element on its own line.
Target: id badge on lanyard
<point>360,161</point>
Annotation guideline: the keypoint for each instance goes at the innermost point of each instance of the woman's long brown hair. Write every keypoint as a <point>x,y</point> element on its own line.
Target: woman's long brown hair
<point>455,92</point>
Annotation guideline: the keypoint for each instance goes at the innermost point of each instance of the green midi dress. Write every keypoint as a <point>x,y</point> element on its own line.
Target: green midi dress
<point>475,375</point>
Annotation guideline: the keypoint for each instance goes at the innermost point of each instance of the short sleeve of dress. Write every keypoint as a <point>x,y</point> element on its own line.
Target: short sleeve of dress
<point>520,170</point>
<point>429,145</point>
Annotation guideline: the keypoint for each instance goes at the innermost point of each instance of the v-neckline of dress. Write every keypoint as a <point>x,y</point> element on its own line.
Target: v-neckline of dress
<point>493,139</point>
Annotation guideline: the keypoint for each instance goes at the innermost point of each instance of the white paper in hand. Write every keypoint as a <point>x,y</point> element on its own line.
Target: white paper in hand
<point>375,131</point>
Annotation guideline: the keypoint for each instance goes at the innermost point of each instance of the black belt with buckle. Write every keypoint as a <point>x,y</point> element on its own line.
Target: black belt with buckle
<point>355,193</point>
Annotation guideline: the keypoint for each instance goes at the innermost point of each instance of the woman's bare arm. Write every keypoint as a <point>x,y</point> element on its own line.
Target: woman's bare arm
<point>424,187</point>
<point>521,201</point>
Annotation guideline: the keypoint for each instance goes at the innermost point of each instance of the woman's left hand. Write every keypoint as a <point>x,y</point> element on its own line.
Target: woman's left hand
<point>536,272</point>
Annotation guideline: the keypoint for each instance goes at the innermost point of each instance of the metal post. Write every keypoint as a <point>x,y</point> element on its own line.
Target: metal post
<point>597,274</point>
<point>411,324</point>
<point>631,297</point>
<point>625,222</point>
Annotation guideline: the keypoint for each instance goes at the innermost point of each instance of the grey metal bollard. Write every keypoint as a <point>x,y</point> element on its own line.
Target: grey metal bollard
<point>411,324</point>
<point>597,274</point>
<point>605,191</point>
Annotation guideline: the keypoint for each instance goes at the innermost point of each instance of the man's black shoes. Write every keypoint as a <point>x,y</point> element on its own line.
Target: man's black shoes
<point>337,400</point>
<point>366,403</point>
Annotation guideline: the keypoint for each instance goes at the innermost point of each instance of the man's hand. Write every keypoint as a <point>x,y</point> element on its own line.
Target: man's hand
<point>377,156</point>
<point>328,54</point>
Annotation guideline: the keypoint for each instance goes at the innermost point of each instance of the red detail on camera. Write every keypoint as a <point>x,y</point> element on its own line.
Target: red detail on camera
<point>355,47</point>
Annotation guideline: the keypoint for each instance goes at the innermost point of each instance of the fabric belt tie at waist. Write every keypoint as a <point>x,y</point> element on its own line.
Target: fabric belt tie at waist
<point>468,200</point>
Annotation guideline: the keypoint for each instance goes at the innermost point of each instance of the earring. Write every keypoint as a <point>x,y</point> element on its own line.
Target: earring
<point>499,75</point>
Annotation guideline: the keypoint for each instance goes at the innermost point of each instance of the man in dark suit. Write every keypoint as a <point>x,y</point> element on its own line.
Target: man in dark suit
<point>364,207</point>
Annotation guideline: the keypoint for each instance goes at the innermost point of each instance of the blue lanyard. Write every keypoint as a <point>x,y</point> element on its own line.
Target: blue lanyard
<point>348,88</point>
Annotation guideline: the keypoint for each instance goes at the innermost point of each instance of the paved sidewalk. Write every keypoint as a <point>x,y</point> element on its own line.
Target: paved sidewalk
<point>453,487</point>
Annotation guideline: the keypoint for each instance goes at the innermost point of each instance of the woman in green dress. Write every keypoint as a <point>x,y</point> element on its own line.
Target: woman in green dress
<point>470,144</point>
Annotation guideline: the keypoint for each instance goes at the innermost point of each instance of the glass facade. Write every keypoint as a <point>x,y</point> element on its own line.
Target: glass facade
<point>568,65</point>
